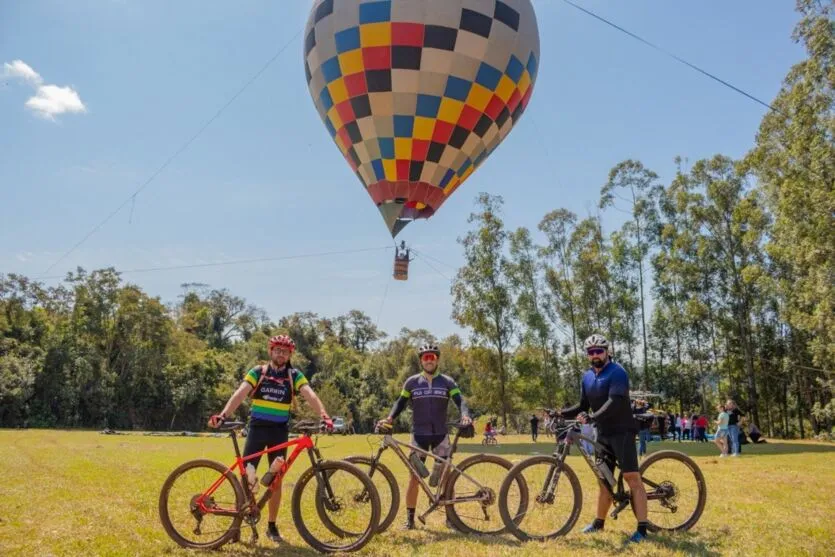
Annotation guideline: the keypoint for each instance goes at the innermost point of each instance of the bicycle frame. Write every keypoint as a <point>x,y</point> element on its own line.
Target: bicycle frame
<point>301,444</point>
<point>436,499</point>
<point>571,437</point>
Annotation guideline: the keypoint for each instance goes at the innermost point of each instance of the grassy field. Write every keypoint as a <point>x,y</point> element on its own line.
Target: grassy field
<point>72,493</point>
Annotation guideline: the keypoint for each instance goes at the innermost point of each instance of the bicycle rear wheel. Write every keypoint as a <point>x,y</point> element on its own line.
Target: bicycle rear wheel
<point>339,510</point>
<point>182,515</point>
<point>554,499</point>
<point>676,491</point>
<point>480,515</point>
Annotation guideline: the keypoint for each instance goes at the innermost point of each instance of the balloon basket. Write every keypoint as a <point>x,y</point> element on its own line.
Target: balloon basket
<point>401,269</point>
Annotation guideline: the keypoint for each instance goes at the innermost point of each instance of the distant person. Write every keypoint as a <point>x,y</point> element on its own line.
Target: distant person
<point>671,425</point>
<point>678,427</point>
<point>734,413</point>
<point>721,438</point>
<point>701,427</point>
<point>685,428</point>
<point>534,427</point>
<point>640,409</point>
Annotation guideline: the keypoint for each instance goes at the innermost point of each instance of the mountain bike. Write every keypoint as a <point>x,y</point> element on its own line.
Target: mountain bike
<point>675,486</point>
<point>203,503</point>
<point>467,491</point>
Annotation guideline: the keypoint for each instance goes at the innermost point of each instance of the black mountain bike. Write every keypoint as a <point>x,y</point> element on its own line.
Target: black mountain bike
<point>551,504</point>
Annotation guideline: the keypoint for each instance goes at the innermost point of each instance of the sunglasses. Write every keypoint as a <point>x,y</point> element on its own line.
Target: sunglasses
<point>595,351</point>
<point>429,357</point>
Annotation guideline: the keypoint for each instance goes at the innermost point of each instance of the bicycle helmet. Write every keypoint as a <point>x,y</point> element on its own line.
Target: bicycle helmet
<point>429,349</point>
<point>283,341</point>
<point>596,341</point>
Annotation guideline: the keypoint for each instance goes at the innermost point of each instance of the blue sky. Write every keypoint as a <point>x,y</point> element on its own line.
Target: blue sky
<point>265,179</point>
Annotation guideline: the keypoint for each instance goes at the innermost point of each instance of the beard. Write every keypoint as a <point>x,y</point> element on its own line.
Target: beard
<point>597,362</point>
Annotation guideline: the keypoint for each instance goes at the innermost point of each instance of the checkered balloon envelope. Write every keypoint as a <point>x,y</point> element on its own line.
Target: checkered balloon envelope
<point>418,93</point>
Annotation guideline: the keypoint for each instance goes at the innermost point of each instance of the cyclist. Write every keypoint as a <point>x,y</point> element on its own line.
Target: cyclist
<point>605,391</point>
<point>272,387</point>
<point>429,393</point>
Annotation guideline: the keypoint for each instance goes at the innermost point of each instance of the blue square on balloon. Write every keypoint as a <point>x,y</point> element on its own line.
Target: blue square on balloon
<point>457,88</point>
<point>532,66</point>
<point>514,69</point>
<point>347,40</point>
<point>488,77</point>
<point>375,12</point>
<point>428,106</point>
<point>327,100</point>
<point>386,147</point>
<point>403,126</point>
<point>329,126</point>
<point>447,177</point>
<point>379,172</point>
<point>330,69</point>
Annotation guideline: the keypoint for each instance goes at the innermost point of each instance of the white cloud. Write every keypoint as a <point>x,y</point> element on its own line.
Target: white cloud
<point>21,70</point>
<point>52,100</point>
<point>49,100</point>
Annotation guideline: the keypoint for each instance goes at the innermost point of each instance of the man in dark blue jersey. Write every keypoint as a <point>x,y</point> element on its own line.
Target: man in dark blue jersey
<point>605,391</point>
<point>429,393</point>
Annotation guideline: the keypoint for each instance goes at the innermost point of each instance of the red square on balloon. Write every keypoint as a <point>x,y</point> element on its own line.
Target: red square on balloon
<point>403,170</point>
<point>443,131</point>
<point>346,112</point>
<point>420,148</point>
<point>355,84</point>
<point>407,34</point>
<point>469,117</point>
<point>514,100</point>
<point>494,108</point>
<point>376,57</point>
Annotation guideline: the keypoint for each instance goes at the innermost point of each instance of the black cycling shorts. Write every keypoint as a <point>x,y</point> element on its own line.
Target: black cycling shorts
<point>436,444</point>
<point>262,436</point>
<point>622,446</point>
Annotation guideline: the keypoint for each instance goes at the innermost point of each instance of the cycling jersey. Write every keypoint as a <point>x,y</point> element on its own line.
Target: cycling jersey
<point>429,398</point>
<point>607,394</point>
<point>273,395</point>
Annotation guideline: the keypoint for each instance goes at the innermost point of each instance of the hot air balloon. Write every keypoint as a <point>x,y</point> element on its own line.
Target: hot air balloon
<point>418,93</point>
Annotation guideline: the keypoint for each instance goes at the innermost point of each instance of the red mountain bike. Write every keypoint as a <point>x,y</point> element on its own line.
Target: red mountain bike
<point>203,503</point>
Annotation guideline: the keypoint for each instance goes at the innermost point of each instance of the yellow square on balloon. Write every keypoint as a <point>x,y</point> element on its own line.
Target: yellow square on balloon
<point>333,116</point>
<point>375,34</point>
<point>505,89</point>
<point>479,97</point>
<point>338,91</point>
<point>424,127</point>
<point>403,148</point>
<point>351,62</point>
<point>524,83</point>
<point>450,110</point>
<point>390,169</point>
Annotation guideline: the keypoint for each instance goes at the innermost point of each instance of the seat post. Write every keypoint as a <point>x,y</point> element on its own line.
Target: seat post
<point>235,443</point>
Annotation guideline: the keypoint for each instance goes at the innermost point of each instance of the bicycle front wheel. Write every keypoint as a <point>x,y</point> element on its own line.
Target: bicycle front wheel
<point>554,499</point>
<point>189,517</point>
<point>335,507</point>
<point>475,484</point>
<point>676,491</point>
<point>386,485</point>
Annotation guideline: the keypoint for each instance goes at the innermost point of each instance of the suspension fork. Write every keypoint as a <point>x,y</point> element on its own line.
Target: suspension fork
<point>554,473</point>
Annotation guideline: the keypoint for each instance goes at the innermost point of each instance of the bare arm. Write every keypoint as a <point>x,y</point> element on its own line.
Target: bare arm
<point>236,399</point>
<point>313,400</point>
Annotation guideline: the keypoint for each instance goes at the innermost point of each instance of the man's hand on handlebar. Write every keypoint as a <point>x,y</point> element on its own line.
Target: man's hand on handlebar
<point>384,425</point>
<point>584,418</point>
<point>217,420</point>
<point>466,420</point>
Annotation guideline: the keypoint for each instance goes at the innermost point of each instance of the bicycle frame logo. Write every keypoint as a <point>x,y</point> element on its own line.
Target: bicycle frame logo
<point>571,438</point>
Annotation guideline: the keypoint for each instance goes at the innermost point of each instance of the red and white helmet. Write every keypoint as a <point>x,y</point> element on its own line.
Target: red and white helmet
<point>283,341</point>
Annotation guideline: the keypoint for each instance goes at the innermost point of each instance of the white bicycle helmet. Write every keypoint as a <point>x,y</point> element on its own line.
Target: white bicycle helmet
<point>596,341</point>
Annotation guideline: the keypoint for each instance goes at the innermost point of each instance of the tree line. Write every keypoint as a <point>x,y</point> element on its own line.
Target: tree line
<point>720,283</point>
